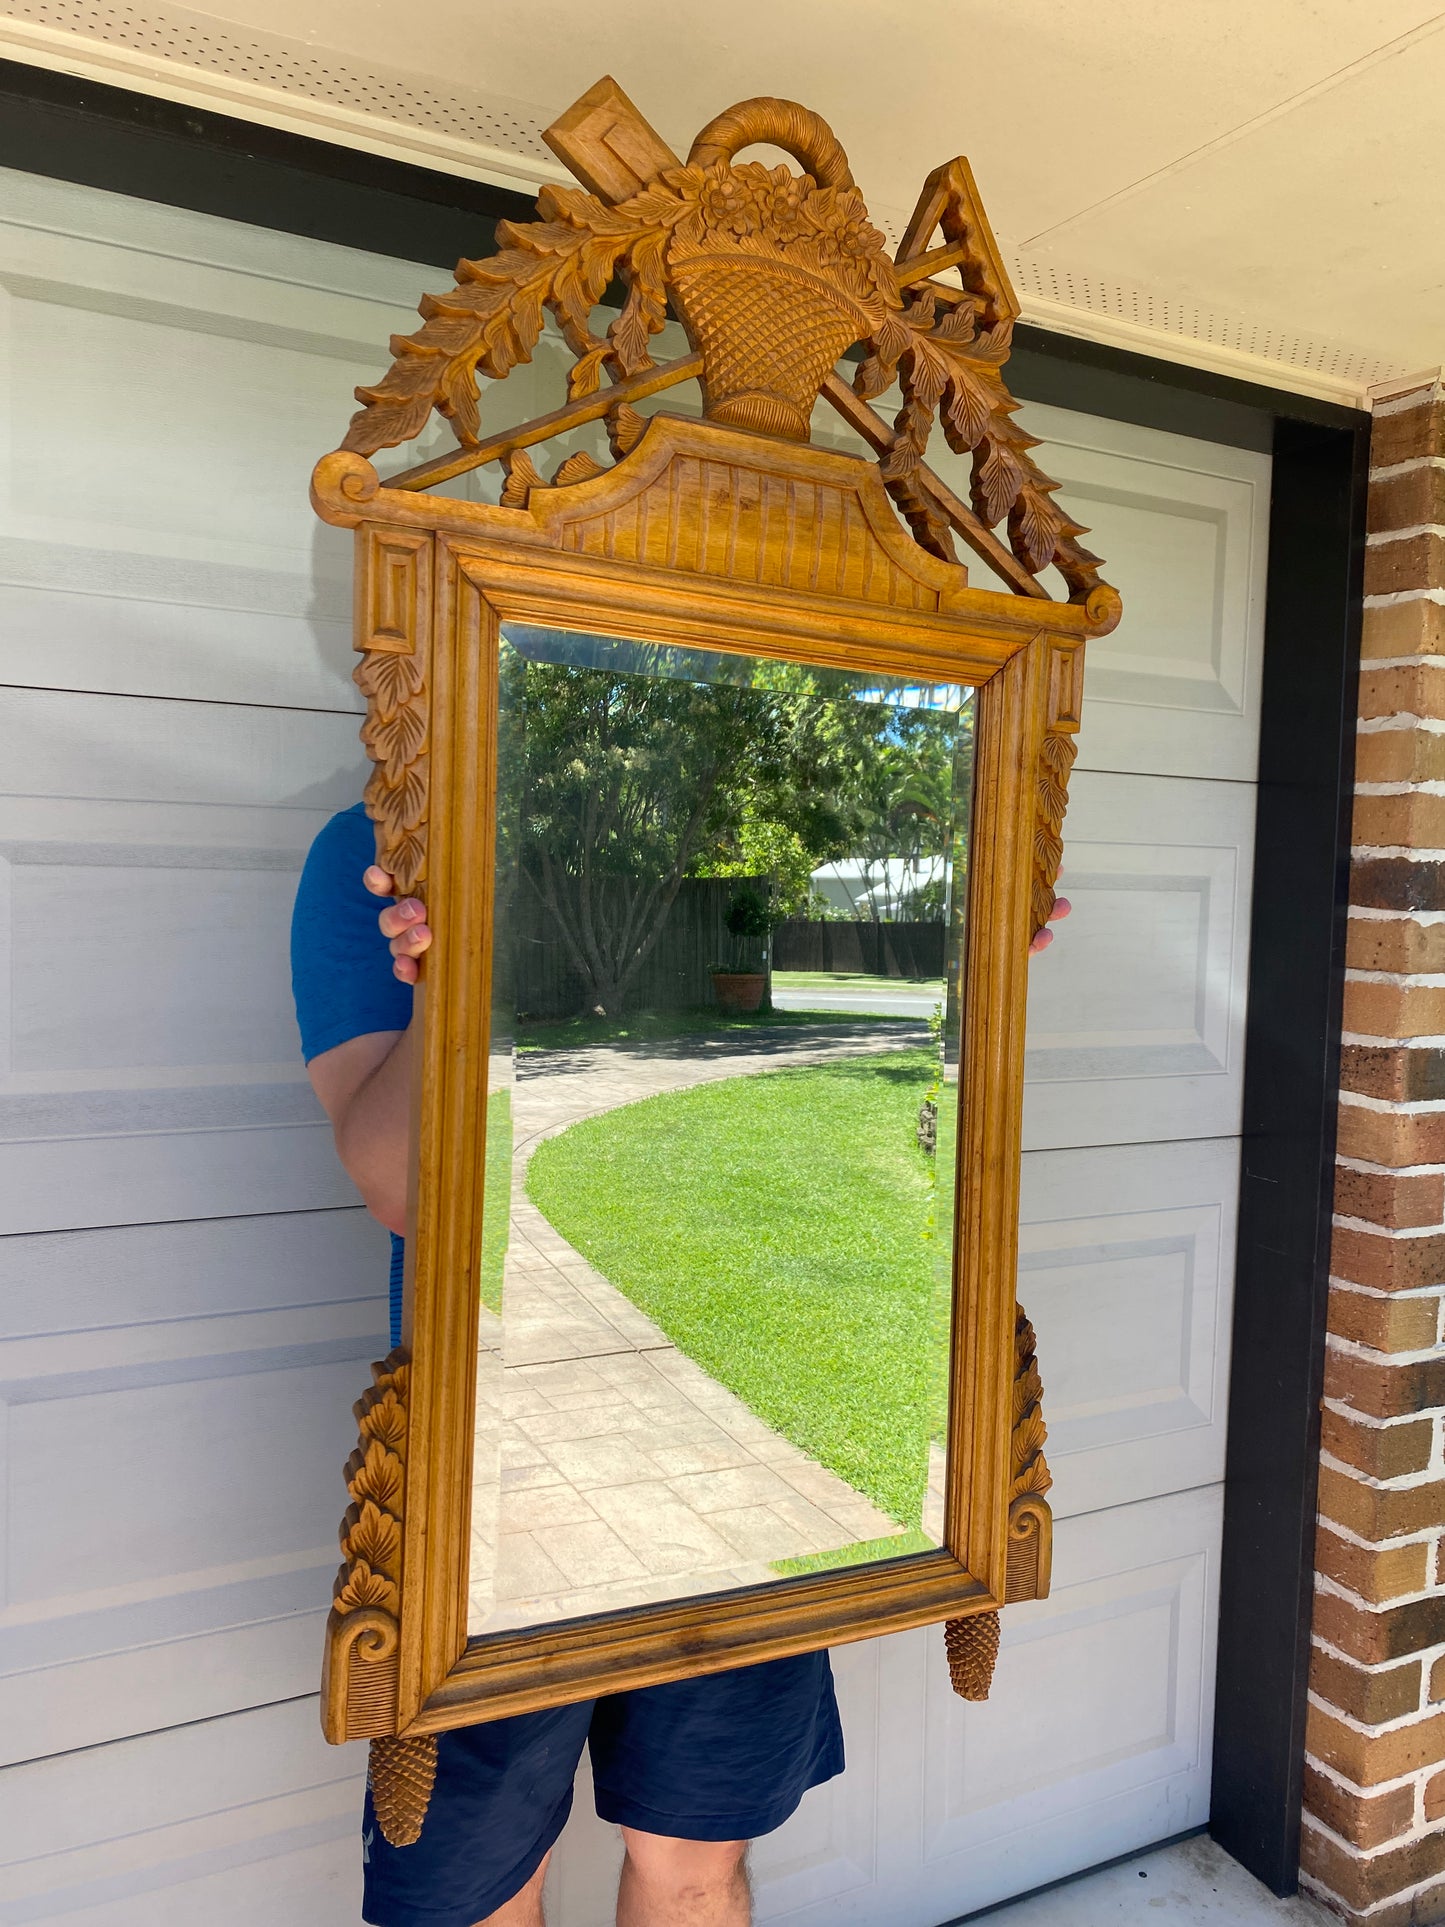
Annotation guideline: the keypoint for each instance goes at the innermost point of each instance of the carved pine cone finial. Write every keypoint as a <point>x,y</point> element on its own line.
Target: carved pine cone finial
<point>972,1648</point>
<point>401,1774</point>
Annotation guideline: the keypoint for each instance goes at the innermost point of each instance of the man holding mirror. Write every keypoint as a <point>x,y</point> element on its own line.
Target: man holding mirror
<point>690,1771</point>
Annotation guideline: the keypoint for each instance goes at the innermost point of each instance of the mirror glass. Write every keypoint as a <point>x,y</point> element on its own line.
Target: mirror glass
<point>719,1219</point>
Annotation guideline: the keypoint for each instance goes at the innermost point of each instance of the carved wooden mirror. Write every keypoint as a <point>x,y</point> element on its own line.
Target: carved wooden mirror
<point>708,1355</point>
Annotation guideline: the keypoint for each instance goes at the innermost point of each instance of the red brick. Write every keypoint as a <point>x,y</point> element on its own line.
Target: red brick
<point>1402,755</point>
<point>1386,822</point>
<point>1360,1880</point>
<point>1375,1636</point>
<point>1434,1798</point>
<point>1391,1137</point>
<point>1410,562</point>
<point>1406,434</point>
<point>1369,1759</point>
<point>1394,1324</point>
<point>1384,1388</point>
<point>1368,1695</point>
<point>1398,1204</point>
<point>1415,628</point>
<point>1397,883</point>
<point>1388,1262</point>
<point>1404,1074</point>
<point>1405,689</point>
<point>1374,1573</point>
<point>1382,1451</point>
<point>1356,1817</point>
<point>1409,501</point>
<point>1377,1512</point>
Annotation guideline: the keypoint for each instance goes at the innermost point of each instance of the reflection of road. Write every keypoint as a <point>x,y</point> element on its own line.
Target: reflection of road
<point>627,1474</point>
<point>905,1001</point>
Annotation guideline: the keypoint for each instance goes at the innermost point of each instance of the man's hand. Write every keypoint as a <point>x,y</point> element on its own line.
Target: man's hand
<point>404,923</point>
<point>1061,909</point>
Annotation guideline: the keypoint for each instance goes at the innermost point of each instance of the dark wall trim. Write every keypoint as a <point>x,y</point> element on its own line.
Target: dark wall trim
<point>159,150</point>
<point>1291,1092</point>
<point>132,144</point>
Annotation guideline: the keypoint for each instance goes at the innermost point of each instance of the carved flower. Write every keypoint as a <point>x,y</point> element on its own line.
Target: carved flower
<point>729,206</point>
<point>787,207</point>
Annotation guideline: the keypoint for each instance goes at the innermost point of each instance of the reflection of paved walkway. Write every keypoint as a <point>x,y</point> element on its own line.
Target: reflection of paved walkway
<point>627,1474</point>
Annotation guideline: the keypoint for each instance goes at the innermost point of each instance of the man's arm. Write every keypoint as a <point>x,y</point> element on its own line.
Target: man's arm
<point>365,1084</point>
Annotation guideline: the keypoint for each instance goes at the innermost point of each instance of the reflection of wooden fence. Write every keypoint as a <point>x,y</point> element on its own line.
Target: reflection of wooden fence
<point>675,975</point>
<point>878,949</point>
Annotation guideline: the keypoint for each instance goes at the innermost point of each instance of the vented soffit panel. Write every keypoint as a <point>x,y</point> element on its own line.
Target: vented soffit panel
<point>193,58</point>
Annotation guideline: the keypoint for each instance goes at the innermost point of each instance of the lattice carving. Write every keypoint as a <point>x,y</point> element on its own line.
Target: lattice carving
<point>774,275</point>
<point>359,1687</point>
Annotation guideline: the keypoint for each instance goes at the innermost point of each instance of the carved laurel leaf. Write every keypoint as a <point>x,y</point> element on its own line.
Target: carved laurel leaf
<point>1034,1478</point>
<point>391,680</point>
<point>521,474</point>
<point>376,1474</point>
<point>577,468</point>
<point>384,1419</point>
<point>372,1535</point>
<point>400,737</point>
<point>997,479</point>
<point>362,1587</point>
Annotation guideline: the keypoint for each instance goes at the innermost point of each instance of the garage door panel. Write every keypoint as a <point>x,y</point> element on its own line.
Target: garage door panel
<point>1097,1728</point>
<point>1184,527</point>
<point>151,1067</point>
<point>1126,1259</point>
<point>1136,1018</point>
<point>229,1821</point>
<point>170,1469</point>
<point>140,477</point>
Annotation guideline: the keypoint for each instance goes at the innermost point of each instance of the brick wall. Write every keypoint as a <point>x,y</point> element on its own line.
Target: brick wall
<point>1374,1840</point>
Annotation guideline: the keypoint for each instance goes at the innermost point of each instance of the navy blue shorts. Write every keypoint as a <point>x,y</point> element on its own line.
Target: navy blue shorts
<point>723,1758</point>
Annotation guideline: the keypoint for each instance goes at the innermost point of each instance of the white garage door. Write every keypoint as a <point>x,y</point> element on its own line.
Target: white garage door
<point>189,1291</point>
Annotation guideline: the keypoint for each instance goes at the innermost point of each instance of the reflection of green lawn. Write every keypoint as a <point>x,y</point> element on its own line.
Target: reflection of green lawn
<point>496,1198</point>
<point>852,980</point>
<point>776,1227</point>
<point>649,1026</point>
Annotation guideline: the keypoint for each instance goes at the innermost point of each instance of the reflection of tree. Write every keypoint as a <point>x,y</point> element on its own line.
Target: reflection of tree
<point>920,768</point>
<point>632,782</point>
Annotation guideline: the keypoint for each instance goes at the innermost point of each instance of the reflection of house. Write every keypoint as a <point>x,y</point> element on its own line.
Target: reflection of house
<point>1215,370</point>
<point>891,888</point>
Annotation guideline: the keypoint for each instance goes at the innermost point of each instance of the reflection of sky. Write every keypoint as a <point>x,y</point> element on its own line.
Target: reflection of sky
<point>573,649</point>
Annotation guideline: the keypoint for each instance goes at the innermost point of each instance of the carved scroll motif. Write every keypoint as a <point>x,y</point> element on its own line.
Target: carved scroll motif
<point>359,1694</point>
<point>972,1643</point>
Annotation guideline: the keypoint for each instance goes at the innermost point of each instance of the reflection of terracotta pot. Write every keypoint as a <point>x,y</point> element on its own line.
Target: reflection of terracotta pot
<point>739,990</point>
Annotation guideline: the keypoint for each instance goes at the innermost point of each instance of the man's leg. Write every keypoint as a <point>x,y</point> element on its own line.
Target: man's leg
<point>524,1909</point>
<point>682,1883</point>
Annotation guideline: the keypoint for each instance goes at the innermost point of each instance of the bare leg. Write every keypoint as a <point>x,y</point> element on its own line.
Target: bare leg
<point>682,1883</point>
<point>523,1909</point>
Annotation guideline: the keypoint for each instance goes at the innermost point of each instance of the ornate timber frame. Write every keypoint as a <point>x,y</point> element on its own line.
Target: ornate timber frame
<point>734,533</point>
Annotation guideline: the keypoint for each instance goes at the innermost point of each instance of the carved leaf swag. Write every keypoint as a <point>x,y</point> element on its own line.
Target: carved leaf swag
<point>715,216</point>
<point>971,1643</point>
<point>375,1477</point>
<point>1056,759</point>
<point>395,735</point>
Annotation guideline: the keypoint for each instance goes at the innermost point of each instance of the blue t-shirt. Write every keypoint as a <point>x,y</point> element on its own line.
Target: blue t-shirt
<point>341,964</point>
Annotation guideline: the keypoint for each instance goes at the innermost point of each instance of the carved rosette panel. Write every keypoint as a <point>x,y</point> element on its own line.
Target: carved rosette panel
<point>393,634</point>
<point>359,1688</point>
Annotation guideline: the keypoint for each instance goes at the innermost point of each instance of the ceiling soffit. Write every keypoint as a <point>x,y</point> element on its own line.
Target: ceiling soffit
<point>311,89</point>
